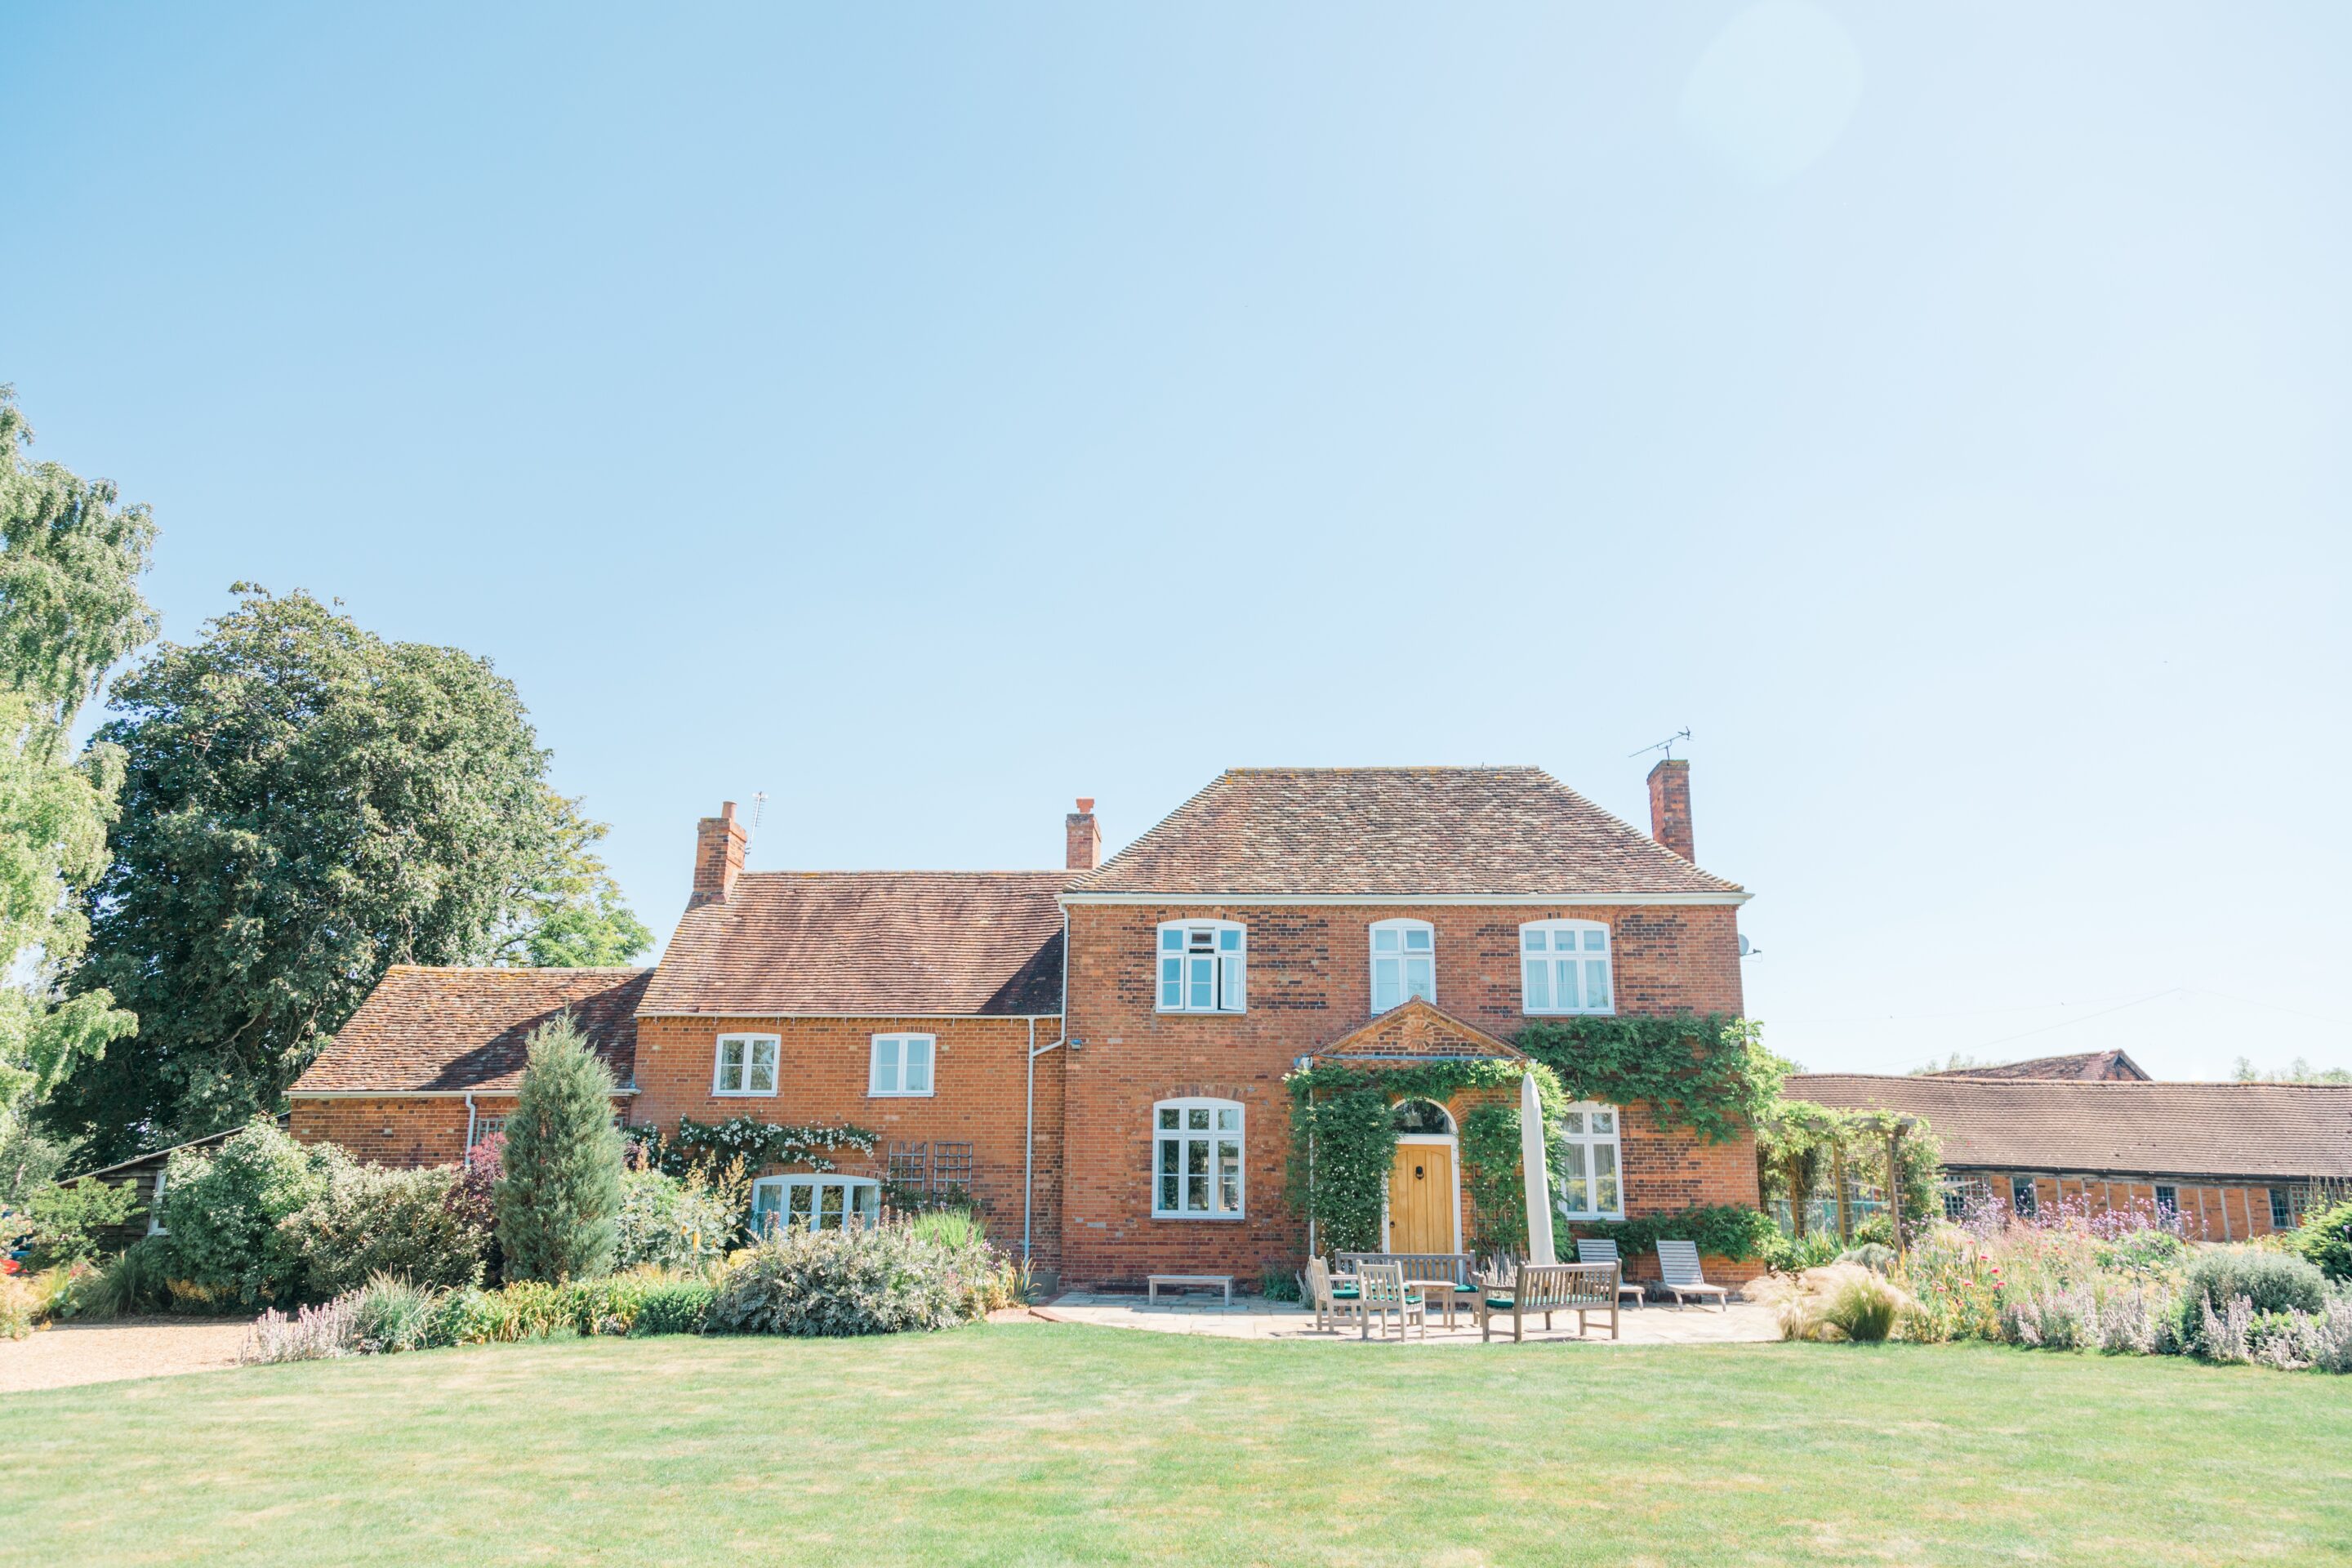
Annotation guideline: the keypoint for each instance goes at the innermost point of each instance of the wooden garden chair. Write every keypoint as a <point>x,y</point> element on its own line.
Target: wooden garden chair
<point>1584,1288</point>
<point>1679,1273</point>
<point>1606,1252</point>
<point>1384,1296</point>
<point>1334,1301</point>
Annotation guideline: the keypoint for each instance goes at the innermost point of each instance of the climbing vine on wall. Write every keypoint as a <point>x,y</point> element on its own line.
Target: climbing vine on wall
<point>1726,1230</point>
<point>709,1145</point>
<point>1710,1073</point>
<point>1343,1140</point>
<point>1490,1172</point>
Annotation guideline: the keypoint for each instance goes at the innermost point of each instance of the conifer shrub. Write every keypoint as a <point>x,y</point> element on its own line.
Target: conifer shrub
<point>559,1191</point>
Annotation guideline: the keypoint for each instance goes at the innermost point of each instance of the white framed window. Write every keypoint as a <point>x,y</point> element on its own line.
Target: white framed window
<point>1586,1168</point>
<point>488,1127</point>
<point>827,1202</point>
<point>900,1065</point>
<point>1196,1159</point>
<point>1564,967</point>
<point>747,1065</point>
<point>1203,966</point>
<point>155,1202</point>
<point>1404,963</point>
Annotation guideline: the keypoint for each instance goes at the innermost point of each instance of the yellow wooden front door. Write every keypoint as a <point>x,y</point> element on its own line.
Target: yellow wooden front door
<point>1421,1199</point>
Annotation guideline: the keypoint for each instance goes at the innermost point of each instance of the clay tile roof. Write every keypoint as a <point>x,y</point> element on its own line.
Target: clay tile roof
<point>2088,1066</point>
<point>869,944</point>
<point>2260,1131</point>
<point>426,1028</point>
<point>1407,832</point>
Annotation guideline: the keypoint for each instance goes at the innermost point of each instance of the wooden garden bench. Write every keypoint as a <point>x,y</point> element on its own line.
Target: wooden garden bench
<point>1583,1289</point>
<point>1188,1282</point>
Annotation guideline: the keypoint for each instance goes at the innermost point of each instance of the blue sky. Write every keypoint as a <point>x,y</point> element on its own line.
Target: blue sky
<point>929,413</point>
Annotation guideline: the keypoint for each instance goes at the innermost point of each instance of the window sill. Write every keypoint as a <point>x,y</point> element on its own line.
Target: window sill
<point>742,1094</point>
<point>1198,1219</point>
<point>902,1094</point>
<point>1201,1012</point>
<point>1567,1013</point>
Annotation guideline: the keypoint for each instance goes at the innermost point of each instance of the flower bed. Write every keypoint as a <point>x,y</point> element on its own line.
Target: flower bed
<point>929,1272</point>
<point>2125,1283</point>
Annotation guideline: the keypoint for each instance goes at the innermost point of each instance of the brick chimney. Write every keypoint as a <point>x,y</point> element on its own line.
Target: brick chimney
<point>1670,819</point>
<point>1085,838</point>
<point>719,845</point>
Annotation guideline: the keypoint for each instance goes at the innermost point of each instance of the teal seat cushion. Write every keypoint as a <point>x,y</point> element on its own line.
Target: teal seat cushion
<point>1503,1305</point>
<point>1344,1292</point>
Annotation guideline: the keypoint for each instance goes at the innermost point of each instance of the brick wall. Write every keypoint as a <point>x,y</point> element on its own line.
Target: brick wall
<point>1310,983</point>
<point>401,1130</point>
<point>979,1083</point>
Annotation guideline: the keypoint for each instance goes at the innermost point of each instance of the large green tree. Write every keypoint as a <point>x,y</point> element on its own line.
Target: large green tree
<point>71,559</point>
<point>304,804</point>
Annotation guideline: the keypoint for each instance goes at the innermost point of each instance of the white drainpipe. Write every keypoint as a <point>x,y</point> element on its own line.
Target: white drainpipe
<point>1029,1133</point>
<point>468,1152</point>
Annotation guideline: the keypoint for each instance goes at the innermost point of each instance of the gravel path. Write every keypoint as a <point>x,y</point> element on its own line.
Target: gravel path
<point>69,1354</point>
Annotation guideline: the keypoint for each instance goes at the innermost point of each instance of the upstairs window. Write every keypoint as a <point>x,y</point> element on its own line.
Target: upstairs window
<point>1203,967</point>
<point>1404,963</point>
<point>1564,967</point>
<point>1196,1159</point>
<point>899,1065</point>
<point>747,1065</point>
<point>1586,1156</point>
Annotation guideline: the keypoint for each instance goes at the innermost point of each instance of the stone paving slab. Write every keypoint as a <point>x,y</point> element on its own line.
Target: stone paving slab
<point>1255,1318</point>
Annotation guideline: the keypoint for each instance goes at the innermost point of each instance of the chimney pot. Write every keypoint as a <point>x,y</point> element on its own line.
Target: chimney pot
<point>1083,838</point>
<point>719,845</point>
<point>1670,806</point>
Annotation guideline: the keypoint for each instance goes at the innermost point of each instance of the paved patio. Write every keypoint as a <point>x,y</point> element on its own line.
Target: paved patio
<point>1255,1318</point>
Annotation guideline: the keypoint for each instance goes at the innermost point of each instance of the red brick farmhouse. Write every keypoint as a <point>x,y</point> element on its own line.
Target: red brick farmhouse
<point>1097,1055</point>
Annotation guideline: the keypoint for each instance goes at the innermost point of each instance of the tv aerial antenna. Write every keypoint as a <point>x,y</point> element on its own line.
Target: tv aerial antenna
<point>760,805</point>
<point>1666,745</point>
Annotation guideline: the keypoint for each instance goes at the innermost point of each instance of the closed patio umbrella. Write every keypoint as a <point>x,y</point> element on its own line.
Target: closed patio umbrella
<point>1538,1175</point>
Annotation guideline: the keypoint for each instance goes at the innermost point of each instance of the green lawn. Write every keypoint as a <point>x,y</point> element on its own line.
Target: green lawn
<point>1047,1444</point>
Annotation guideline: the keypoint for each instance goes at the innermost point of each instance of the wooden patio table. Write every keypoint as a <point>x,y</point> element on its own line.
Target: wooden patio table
<point>1443,1293</point>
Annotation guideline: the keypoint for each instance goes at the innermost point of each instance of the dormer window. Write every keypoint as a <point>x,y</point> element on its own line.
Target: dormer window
<point>1404,963</point>
<point>1203,967</point>
<point>1564,967</point>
